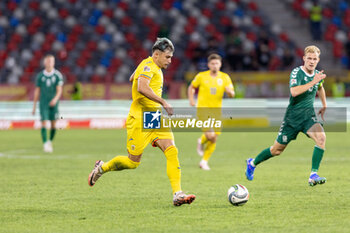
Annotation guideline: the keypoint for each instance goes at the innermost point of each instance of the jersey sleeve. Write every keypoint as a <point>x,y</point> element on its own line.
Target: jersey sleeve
<point>196,81</point>
<point>59,78</point>
<point>146,72</point>
<point>37,80</point>
<point>295,79</point>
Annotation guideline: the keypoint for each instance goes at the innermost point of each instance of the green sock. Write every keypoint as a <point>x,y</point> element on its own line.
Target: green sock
<point>316,158</point>
<point>264,155</point>
<point>43,134</point>
<point>52,134</point>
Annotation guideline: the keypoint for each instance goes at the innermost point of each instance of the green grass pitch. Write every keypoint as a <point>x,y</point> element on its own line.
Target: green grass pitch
<point>50,193</point>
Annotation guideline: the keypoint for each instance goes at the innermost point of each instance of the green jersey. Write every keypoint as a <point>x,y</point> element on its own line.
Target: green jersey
<point>48,83</point>
<point>300,115</point>
<point>301,107</point>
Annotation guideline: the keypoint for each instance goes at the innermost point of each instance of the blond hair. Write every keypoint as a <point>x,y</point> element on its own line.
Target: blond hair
<point>312,49</point>
<point>214,56</point>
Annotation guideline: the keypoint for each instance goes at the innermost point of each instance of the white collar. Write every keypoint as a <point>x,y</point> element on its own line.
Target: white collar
<point>49,73</point>
<point>309,75</point>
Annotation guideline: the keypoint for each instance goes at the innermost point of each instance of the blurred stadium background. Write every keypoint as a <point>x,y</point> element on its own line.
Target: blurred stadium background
<point>98,44</point>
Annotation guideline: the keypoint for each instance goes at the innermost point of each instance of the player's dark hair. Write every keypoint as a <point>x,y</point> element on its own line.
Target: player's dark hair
<point>214,56</point>
<point>163,44</point>
<point>49,55</point>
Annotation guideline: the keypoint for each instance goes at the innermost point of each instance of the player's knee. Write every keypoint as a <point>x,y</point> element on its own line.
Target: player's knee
<point>212,137</point>
<point>276,151</point>
<point>321,140</point>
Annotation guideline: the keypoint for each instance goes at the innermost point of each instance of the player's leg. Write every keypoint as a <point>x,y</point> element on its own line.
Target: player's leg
<point>53,130</point>
<point>174,171</point>
<point>316,132</point>
<point>136,143</point>
<point>209,149</point>
<point>275,150</point>
<point>201,144</point>
<point>43,132</point>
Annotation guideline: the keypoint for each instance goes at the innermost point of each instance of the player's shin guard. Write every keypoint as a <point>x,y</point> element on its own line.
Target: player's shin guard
<point>316,158</point>
<point>264,155</point>
<point>204,139</point>
<point>52,133</point>
<point>209,149</point>
<point>173,168</point>
<point>43,134</point>
<point>119,163</point>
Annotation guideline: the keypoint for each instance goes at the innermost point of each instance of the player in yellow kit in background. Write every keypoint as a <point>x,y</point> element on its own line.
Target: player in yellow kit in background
<point>146,93</point>
<point>212,85</point>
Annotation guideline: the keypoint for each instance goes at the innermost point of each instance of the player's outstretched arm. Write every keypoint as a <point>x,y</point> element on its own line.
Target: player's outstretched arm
<point>297,90</point>
<point>36,97</point>
<point>144,88</point>
<point>190,92</point>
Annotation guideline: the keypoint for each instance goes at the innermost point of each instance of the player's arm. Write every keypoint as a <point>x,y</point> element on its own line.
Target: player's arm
<point>132,77</point>
<point>144,88</point>
<point>190,92</point>
<point>298,90</point>
<point>230,90</point>
<point>322,95</point>
<point>36,97</point>
<point>53,102</point>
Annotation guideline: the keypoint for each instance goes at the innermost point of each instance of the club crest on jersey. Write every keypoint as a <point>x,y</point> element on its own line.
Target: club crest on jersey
<point>219,82</point>
<point>146,68</point>
<point>284,138</point>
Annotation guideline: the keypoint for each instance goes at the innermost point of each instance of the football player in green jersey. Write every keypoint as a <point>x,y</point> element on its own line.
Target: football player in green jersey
<point>305,82</point>
<point>48,84</point>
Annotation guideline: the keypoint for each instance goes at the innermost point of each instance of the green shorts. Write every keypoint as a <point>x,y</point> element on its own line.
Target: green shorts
<point>48,113</point>
<point>290,130</point>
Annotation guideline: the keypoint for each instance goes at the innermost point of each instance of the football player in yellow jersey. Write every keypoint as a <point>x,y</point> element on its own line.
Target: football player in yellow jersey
<point>147,93</point>
<point>211,84</point>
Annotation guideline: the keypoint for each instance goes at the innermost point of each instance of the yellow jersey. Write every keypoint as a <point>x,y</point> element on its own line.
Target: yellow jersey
<point>211,90</point>
<point>146,69</point>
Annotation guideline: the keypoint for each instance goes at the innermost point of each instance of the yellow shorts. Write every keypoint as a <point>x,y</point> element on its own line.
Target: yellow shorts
<point>137,139</point>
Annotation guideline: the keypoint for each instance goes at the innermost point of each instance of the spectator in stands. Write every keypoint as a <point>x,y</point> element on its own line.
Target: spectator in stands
<point>77,91</point>
<point>338,89</point>
<point>287,59</point>
<point>316,20</point>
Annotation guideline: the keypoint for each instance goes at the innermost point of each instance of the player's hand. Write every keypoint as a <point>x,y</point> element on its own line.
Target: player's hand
<point>168,108</point>
<point>53,103</point>
<point>319,77</point>
<point>321,112</point>
<point>192,103</point>
<point>33,112</point>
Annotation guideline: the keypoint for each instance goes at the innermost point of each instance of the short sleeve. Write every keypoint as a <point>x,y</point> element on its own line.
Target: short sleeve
<point>59,78</point>
<point>196,81</point>
<point>37,80</point>
<point>294,79</point>
<point>228,82</point>
<point>146,72</point>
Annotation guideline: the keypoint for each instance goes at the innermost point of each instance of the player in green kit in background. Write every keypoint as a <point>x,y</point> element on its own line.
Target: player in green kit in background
<point>48,84</point>
<point>300,115</point>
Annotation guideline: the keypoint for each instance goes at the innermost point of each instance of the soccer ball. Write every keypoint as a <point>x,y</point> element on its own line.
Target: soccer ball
<point>238,195</point>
